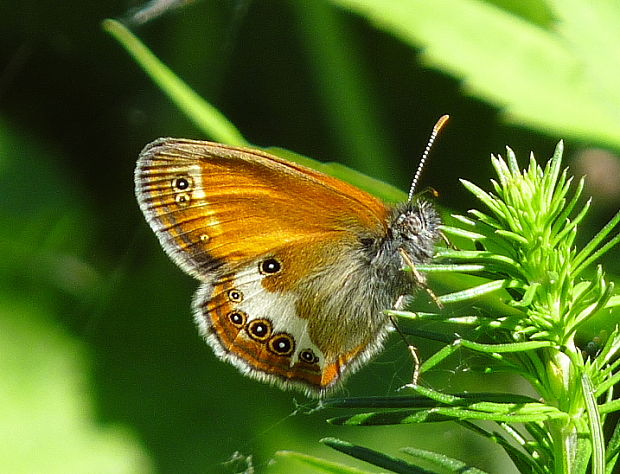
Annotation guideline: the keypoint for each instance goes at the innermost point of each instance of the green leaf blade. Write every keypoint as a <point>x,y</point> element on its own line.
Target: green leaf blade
<point>206,117</point>
<point>374,457</point>
<point>528,71</point>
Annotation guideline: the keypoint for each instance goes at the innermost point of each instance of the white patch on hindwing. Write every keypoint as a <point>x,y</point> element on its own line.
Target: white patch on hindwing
<point>258,303</point>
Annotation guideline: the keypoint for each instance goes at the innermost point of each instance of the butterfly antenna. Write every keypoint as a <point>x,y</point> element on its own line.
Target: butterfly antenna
<point>438,126</point>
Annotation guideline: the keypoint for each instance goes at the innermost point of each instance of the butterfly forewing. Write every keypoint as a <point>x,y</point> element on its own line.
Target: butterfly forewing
<point>210,204</point>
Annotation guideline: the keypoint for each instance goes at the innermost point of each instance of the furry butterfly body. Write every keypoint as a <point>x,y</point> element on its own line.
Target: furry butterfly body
<point>296,267</point>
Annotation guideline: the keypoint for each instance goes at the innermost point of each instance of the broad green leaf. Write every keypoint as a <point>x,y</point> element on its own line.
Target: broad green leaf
<point>561,82</point>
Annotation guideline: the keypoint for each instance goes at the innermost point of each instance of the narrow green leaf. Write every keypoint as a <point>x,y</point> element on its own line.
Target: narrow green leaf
<point>443,398</point>
<point>518,238</point>
<point>408,316</point>
<point>485,219</point>
<point>492,262</point>
<point>568,208</point>
<point>206,117</point>
<point>374,186</point>
<point>583,450</point>
<point>458,232</point>
<point>596,429</point>
<point>374,457</point>
<point>483,196</point>
<point>474,292</point>
<point>613,447</point>
<point>504,348</point>
<point>321,465</point>
<point>441,460</point>
<point>399,417</point>
<point>528,296</point>
<point>502,169</point>
<point>516,417</point>
<point>439,414</point>
<point>462,268</point>
<point>449,253</point>
<point>552,172</point>
<point>587,255</point>
<point>613,302</point>
<point>609,407</point>
<point>438,357</point>
<point>609,351</point>
<point>522,460</point>
<point>606,290</point>
<point>607,384</point>
<point>423,401</point>
<point>342,82</point>
<point>495,403</point>
<point>572,225</point>
<point>579,217</point>
<point>464,220</point>
<point>513,164</point>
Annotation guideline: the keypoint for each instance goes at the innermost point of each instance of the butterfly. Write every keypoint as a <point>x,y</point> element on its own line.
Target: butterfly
<point>295,267</point>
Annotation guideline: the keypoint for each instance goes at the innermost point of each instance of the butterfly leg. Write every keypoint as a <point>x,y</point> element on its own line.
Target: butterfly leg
<point>449,244</point>
<point>416,365</point>
<point>412,349</point>
<point>419,279</point>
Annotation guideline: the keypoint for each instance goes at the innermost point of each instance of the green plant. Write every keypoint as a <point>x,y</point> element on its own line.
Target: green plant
<point>527,252</point>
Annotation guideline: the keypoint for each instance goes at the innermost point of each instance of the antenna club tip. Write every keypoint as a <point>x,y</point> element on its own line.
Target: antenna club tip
<point>441,122</point>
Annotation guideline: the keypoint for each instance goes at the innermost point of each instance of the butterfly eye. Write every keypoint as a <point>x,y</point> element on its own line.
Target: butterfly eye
<point>269,266</point>
<point>259,329</point>
<point>282,344</point>
<point>367,242</point>
<point>235,296</point>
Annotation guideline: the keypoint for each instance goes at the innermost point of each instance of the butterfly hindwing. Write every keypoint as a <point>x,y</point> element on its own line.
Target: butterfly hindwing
<point>258,331</point>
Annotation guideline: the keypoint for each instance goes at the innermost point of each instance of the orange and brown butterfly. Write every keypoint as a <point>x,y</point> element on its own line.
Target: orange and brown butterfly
<point>296,267</point>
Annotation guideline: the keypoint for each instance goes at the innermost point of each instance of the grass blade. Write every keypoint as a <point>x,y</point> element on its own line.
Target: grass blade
<point>374,457</point>
<point>206,117</point>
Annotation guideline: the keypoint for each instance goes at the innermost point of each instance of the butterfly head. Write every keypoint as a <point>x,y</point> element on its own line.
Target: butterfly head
<point>414,230</point>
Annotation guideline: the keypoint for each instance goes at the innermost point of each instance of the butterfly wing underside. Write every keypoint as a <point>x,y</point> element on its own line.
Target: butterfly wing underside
<point>255,229</point>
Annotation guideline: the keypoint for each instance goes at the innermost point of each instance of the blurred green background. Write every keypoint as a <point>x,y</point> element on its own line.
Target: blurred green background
<point>101,368</point>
